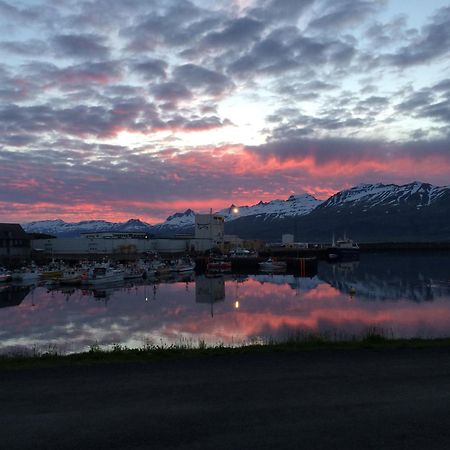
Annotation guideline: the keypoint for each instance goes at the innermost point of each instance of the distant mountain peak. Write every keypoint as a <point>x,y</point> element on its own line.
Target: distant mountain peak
<point>189,212</point>
<point>135,222</point>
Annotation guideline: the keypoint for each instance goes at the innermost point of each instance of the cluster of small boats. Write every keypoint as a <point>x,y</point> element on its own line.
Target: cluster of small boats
<point>96,273</point>
<point>105,272</point>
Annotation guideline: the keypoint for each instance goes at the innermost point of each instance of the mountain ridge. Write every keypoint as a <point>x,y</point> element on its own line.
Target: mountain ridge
<point>366,211</point>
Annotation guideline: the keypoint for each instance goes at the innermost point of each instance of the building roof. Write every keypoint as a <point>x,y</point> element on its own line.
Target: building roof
<point>12,231</point>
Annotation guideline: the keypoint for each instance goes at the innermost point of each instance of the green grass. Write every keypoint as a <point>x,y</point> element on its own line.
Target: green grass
<point>373,338</point>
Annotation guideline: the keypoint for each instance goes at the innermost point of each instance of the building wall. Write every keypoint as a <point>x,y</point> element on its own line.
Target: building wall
<point>14,242</point>
<point>209,231</point>
<point>171,245</point>
<point>115,235</point>
<point>101,246</point>
<point>14,251</point>
<point>83,246</point>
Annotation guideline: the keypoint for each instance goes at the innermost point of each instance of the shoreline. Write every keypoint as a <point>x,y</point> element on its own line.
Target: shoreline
<point>122,354</point>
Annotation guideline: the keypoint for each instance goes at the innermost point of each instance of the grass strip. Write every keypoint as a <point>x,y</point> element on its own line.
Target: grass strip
<point>373,339</point>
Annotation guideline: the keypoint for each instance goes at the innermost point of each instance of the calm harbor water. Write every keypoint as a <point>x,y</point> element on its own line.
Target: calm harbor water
<point>405,295</point>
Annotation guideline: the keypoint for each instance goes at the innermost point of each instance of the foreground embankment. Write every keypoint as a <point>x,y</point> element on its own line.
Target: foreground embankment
<point>380,397</point>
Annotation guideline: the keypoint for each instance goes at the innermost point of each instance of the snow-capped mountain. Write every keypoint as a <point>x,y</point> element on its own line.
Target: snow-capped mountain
<point>416,194</point>
<point>181,222</point>
<point>67,229</point>
<point>367,212</point>
<point>295,205</point>
<point>176,223</point>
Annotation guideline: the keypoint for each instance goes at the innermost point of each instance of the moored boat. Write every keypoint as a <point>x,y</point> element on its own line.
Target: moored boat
<point>162,269</point>
<point>343,248</point>
<point>5,276</point>
<point>271,265</point>
<point>52,271</point>
<point>218,265</point>
<point>133,272</point>
<point>103,274</point>
<point>182,265</point>
<point>72,276</point>
<point>26,274</point>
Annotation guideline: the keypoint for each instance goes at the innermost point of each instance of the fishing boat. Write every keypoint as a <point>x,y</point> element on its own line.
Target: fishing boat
<point>156,266</point>
<point>182,265</point>
<point>72,276</point>
<point>52,270</point>
<point>4,276</point>
<point>218,264</point>
<point>343,248</point>
<point>271,265</point>
<point>103,274</point>
<point>133,272</point>
<point>26,274</point>
<point>161,269</point>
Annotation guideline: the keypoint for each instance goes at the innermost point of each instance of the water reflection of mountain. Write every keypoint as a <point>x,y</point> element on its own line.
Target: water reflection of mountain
<point>383,276</point>
<point>13,295</point>
<point>299,284</point>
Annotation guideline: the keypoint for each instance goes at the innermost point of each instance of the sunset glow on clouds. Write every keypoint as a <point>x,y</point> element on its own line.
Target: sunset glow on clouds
<point>112,110</point>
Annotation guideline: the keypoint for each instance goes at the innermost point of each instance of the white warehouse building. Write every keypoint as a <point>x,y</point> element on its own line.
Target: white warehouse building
<point>209,233</point>
<point>110,246</point>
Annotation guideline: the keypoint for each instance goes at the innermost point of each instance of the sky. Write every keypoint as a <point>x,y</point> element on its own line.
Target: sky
<point>114,109</point>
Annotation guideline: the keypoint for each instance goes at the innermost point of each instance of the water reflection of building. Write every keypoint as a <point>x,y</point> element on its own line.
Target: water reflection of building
<point>13,295</point>
<point>209,290</point>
